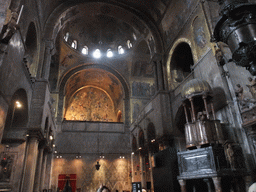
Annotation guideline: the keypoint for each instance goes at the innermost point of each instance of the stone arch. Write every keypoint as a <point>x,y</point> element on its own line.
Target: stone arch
<point>58,17</point>
<point>17,115</point>
<point>141,139</point>
<point>151,137</point>
<point>151,132</point>
<point>176,71</point>
<point>31,53</point>
<point>69,73</point>
<point>134,144</point>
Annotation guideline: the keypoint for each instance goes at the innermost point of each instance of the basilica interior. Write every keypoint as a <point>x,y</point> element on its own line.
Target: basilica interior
<point>135,95</point>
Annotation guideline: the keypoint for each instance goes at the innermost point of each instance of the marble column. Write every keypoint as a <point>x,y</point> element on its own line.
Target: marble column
<point>30,164</point>
<point>132,167</point>
<point>38,168</point>
<point>143,172</point>
<point>151,171</point>
<point>182,185</point>
<point>48,171</point>
<point>217,184</point>
<point>43,172</point>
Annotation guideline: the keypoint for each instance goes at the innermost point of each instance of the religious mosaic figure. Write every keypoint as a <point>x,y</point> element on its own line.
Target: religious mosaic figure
<point>252,86</point>
<point>239,92</point>
<point>10,28</point>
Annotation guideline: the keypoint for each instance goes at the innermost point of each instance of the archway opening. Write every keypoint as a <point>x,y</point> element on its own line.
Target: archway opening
<point>181,63</point>
<point>31,49</point>
<point>17,116</point>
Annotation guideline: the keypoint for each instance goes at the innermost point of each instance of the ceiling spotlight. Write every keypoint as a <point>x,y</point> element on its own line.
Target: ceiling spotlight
<point>109,53</point>
<point>97,54</point>
<point>55,152</point>
<point>51,137</point>
<point>132,153</point>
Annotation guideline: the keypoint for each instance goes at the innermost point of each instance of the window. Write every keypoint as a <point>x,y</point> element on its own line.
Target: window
<point>74,44</point>
<point>129,44</point>
<point>97,53</point>
<point>109,53</point>
<point>134,36</point>
<point>120,50</point>
<point>85,50</point>
<point>66,36</point>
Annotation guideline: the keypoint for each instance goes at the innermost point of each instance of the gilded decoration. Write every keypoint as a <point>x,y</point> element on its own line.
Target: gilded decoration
<point>195,86</point>
<point>91,104</point>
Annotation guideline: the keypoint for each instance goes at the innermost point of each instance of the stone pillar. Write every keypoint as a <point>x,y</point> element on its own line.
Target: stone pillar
<point>47,59</point>
<point>30,164</point>
<point>60,108</point>
<point>151,171</point>
<point>38,168</point>
<point>207,181</point>
<point>43,172</point>
<point>182,185</point>
<point>143,172</point>
<point>217,184</point>
<point>160,76</point>
<point>132,166</point>
<point>48,171</point>
<point>157,59</point>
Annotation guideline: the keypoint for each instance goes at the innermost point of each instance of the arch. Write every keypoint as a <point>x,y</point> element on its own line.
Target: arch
<point>31,54</point>
<point>74,44</point>
<point>55,23</point>
<point>69,73</point>
<point>120,50</point>
<point>151,132</point>
<point>151,137</point>
<point>141,139</point>
<point>85,50</point>
<point>17,115</point>
<point>180,61</point>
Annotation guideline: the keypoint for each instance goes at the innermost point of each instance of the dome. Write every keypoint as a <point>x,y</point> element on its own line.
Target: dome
<point>195,87</point>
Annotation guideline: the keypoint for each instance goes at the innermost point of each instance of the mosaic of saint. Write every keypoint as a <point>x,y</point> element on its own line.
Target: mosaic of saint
<point>91,104</point>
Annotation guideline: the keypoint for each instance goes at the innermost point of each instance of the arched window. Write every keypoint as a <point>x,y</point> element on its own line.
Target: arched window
<point>109,53</point>
<point>74,44</point>
<point>181,62</point>
<point>129,44</point>
<point>120,50</point>
<point>85,50</point>
<point>66,36</point>
<point>134,36</point>
<point>97,53</point>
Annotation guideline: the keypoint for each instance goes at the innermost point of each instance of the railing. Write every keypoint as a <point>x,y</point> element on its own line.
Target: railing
<point>91,126</point>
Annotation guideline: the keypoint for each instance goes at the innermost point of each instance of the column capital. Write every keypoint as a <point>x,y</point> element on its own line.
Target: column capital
<point>157,57</point>
<point>49,43</point>
<point>35,133</point>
